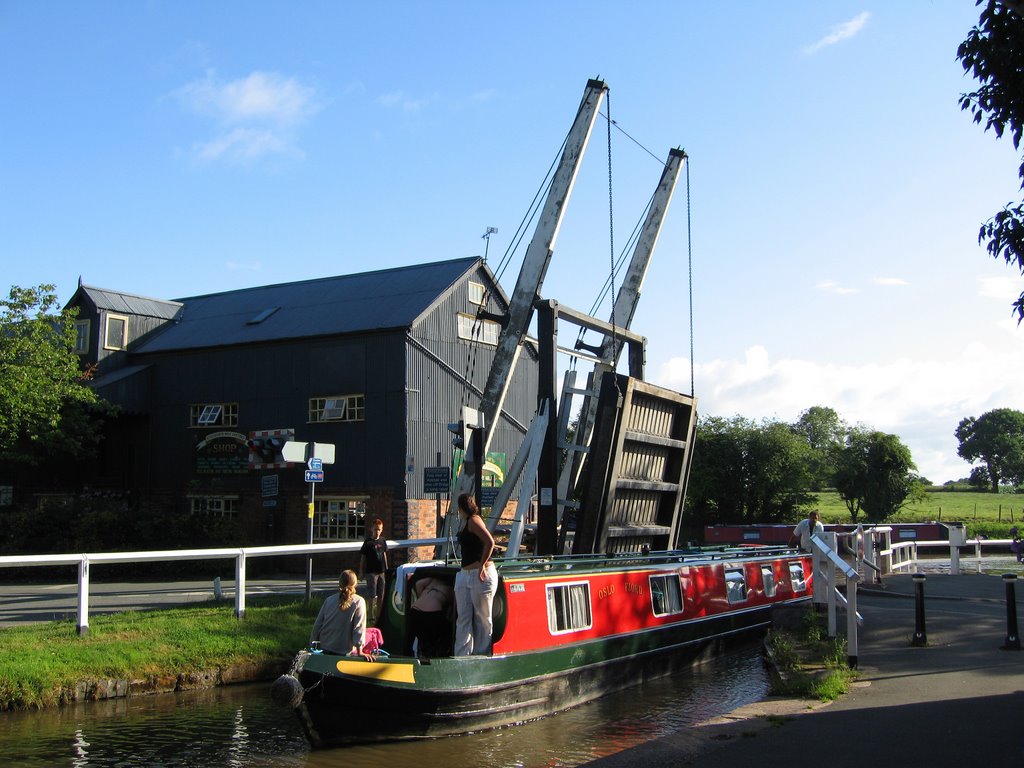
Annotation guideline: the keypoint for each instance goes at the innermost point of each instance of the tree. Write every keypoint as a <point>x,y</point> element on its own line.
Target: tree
<point>995,438</point>
<point>874,475</point>
<point>994,54</point>
<point>45,405</point>
<point>744,472</point>
<point>824,432</point>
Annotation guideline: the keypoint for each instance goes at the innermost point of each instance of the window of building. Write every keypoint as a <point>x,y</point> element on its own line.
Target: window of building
<point>214,506</point>
<point>768,579</point>
<point>477,329</point>
<point>797,577</point>
<point>82,328</point>
<point>338,519</point>
<point>337,408</point>
<point>116,336</point>
<point>569,608</point>
<point>213,415</point>
<point>735,585</point>
<point>666,594</point>
<point>476,293</point>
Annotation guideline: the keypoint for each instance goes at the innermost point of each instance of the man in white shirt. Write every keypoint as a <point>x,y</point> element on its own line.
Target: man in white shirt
<point>805,529</point>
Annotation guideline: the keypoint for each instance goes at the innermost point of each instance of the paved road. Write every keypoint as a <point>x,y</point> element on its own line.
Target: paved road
<point>32,603</point>
<point>959,701</point>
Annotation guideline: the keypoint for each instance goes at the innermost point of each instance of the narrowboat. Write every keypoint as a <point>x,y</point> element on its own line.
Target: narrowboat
<point>567,629</point>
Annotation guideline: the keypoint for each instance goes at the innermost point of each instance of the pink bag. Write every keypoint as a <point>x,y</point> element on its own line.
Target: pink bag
<point>374,641</point>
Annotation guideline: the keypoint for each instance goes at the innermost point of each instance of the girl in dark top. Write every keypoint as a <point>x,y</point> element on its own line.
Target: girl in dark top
<point>475,584</point>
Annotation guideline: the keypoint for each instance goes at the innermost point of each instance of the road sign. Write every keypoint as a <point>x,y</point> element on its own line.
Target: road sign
<point>436,479</point>
<point>295,451</point>
<point>315,463</point>
<point>314,476</point>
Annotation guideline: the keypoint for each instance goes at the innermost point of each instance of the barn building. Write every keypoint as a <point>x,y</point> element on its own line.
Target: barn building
<point>376,364</point>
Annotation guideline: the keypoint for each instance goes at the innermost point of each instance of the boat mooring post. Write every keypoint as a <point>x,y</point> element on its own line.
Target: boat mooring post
<point>1012,636</point>
<point>920,638</point>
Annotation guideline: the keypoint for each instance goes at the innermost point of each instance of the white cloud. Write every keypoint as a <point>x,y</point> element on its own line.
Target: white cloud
<point>245,144</point>
<point>891,281</point>
<point>831,286</point>
<point>255,115</point>
<point>840,32</point>
<point>921,401</point>
<point>1003,287</point>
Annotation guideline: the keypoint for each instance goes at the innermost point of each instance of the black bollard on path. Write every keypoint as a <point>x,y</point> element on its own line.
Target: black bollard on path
<point>920,637</point>
<point>1012,636</point>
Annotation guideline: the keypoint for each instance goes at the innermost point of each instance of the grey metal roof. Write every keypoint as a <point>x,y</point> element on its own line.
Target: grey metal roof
<point>386,299</point>
<point>129,304</point>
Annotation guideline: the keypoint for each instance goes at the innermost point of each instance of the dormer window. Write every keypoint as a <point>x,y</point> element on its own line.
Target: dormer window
<point>82,328</point>
<point>115,335</point>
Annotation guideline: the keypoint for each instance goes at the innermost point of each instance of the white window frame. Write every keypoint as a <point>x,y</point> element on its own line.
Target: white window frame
<point>124,332</point>
<point>666,588</point>
<point>476,292</point>
<point>214,506</point>
<point>339,518</point>
<point>569,607</point>
<point>342,408</point>
<point>206,415</point>
<point>83,332</point>
<point>735,585</point>
<point>478,329</point>
<point>768,580</point>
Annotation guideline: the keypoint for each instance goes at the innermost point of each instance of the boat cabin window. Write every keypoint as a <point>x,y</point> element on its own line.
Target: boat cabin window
<point>797,577</point>
<point>735,585</point>
<point>666,594</point>
<point>768,580</point>
<point>569,608</point>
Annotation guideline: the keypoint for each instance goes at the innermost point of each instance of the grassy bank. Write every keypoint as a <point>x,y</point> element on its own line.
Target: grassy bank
<point>807,662</point>
<point>989,514</point>
<point>46,664</point>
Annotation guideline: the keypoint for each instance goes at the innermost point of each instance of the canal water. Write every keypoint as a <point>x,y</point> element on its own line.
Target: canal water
<point>241,726</point>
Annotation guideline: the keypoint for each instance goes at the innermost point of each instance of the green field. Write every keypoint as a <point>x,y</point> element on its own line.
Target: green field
<point>989,514</point>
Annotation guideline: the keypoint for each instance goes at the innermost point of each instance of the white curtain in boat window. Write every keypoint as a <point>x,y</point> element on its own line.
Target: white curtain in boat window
<point>735,585</point>
<point>768,580</point>
<point>569,607</point>
<point>666,595</point>
<point>797,577</point>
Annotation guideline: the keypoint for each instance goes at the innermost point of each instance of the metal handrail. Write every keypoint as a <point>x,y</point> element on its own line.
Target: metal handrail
<point>238,554</point>
<point>827,563</point>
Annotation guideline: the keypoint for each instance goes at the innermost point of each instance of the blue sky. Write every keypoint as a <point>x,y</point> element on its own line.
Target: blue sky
<point>172,149</point>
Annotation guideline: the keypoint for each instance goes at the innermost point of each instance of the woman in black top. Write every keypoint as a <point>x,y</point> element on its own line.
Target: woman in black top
<point>475,584</point>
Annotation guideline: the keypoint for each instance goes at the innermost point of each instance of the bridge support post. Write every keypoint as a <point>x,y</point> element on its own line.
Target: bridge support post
<point>920,637</point>
<point>1012,636</point>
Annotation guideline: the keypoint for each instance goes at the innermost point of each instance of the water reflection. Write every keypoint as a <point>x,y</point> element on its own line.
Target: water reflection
<point>240,726</point>
<point>990,564</point>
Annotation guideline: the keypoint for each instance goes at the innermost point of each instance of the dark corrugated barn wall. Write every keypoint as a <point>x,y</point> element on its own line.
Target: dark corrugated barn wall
<point>438,361</point>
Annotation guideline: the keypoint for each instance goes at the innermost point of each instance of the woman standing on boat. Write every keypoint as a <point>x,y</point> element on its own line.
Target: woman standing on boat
<point>475,584</point>
<point>341,624</point>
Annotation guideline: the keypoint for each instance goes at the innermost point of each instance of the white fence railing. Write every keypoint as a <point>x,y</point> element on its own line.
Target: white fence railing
<point>239,555</point>
<point>906,554</point>
<point>829,566</point>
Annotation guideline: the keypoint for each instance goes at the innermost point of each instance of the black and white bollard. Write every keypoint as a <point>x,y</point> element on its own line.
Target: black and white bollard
<point>1012,636</point>
<point>920,638</point>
